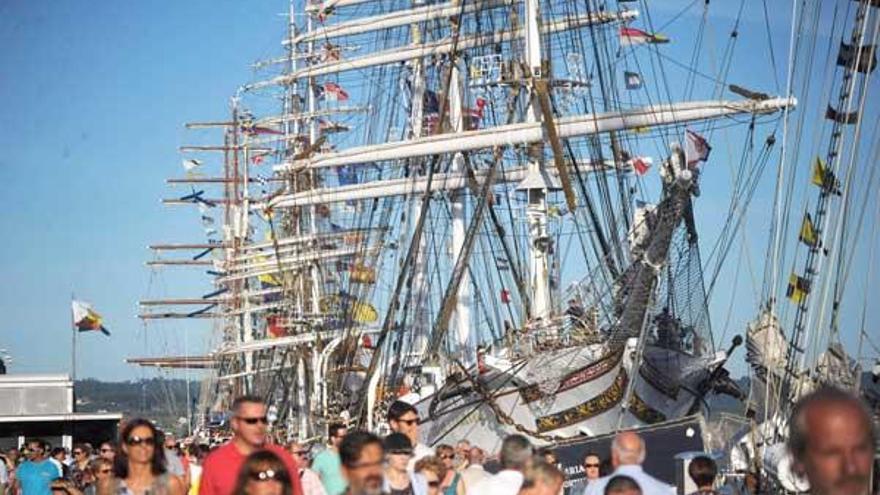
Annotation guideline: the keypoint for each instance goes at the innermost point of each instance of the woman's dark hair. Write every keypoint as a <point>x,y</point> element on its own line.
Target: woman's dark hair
<point>259,461</point>
<point>353,445</point>
<point>703,470</point>
<point>157,464</point>
<point>622,484</point>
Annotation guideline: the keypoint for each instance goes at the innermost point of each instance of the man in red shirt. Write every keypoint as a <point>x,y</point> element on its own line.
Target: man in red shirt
<point>249,423</point>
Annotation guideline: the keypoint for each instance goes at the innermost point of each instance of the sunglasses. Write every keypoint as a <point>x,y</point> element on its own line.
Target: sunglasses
<point>591,465</point>
<point>252,421</point>
<point>267,475</point>
<point>400,452</point>
<point>433,484</point>
<point>136,440</point>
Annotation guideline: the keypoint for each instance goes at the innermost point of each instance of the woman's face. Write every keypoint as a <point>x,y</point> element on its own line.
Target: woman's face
<point>398,460</point>
<point>433,482</point>
<point>103,472</point>
<point>264,481</point>
<point>448,458</point>
<point>140,445</point>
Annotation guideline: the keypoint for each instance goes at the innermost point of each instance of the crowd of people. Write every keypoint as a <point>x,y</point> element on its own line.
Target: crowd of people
<point>831,439</point>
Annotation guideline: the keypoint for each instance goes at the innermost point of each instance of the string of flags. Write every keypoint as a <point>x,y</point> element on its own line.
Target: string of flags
<point>799,287</point>
<point>86,319</point>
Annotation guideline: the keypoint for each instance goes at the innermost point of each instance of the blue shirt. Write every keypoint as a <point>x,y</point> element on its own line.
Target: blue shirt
<point>328,465</point>
<point>35,477</point>
<point>649,484</point>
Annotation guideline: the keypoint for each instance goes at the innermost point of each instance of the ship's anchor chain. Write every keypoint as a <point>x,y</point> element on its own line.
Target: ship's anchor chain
<point>503,416</point>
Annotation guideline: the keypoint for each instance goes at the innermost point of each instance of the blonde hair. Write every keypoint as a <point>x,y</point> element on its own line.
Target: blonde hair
<point>432,464</point>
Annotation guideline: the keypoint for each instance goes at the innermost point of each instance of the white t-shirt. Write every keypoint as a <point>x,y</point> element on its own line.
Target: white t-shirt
<point>420,450</point>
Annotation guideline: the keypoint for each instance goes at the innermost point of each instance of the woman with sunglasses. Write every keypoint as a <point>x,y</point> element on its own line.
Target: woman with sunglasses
<point>263,473</point>
<point>451,481</point>
<point>139,467</point>
<point>100,469</point>
<point>398,479</point>
<point>432,470</point>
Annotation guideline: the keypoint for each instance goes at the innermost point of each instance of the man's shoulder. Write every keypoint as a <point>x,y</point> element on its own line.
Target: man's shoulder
<point>656,481</point>
<point>220,454</point>
<point>326,455</point>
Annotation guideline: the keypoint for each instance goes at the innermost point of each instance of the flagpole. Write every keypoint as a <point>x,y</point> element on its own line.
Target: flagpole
<point>73,341</point>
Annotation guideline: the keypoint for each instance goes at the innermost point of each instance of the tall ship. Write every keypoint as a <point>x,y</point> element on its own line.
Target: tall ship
<point>487,208</point>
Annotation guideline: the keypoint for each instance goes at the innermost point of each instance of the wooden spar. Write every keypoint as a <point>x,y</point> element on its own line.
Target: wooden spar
<point>170,247</point>
<point>195,362</point>
<point>437,48</point>
<point>217,180</point>
<point>190,148</point>
<point>302,239</point>
<point>533,132</point>
<point>309,115</point>
<point>190,202</point>
<point>397,18</point>
<point>159,316</point>
<point>203,125</point>
<point>183,302</point>
<point>555,144</point>
<point>180,263</point>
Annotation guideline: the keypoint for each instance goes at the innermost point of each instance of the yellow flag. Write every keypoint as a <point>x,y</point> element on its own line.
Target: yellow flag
<point>798,288</point>
<point>359,311</point>
<point>268,279</point>
<point>808,234</point>
<point>825,178</point>
<point>819,172</point>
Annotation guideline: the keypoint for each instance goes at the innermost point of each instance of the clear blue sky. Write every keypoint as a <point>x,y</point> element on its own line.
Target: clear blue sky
<point>95,97</point>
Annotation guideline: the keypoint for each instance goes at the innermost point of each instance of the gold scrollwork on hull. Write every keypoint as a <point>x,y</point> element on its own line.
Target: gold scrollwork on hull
<point>593,407</point>
<point>644,412</point>
<point>590,372</point>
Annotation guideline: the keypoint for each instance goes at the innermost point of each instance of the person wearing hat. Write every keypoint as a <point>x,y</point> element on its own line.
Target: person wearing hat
<point>398,479</point>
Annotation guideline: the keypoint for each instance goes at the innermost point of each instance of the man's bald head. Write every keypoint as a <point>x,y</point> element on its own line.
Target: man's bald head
<point>627,448</point>
<point>832,441</point>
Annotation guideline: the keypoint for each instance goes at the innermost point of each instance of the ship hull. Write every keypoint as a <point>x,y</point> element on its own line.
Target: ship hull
<point>565,393</point>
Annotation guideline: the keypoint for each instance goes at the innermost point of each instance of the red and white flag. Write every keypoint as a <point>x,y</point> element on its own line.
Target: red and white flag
<point>641,164</point>
<point>696,148</point>
<point>632,36</point>
<point>334,92</point>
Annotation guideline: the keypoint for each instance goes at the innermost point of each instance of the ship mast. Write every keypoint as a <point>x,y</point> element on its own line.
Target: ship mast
<point>459,206</point>
<point>536,184</point>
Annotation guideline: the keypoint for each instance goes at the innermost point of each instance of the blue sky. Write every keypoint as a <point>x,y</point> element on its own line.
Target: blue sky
<point>95,97</point>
